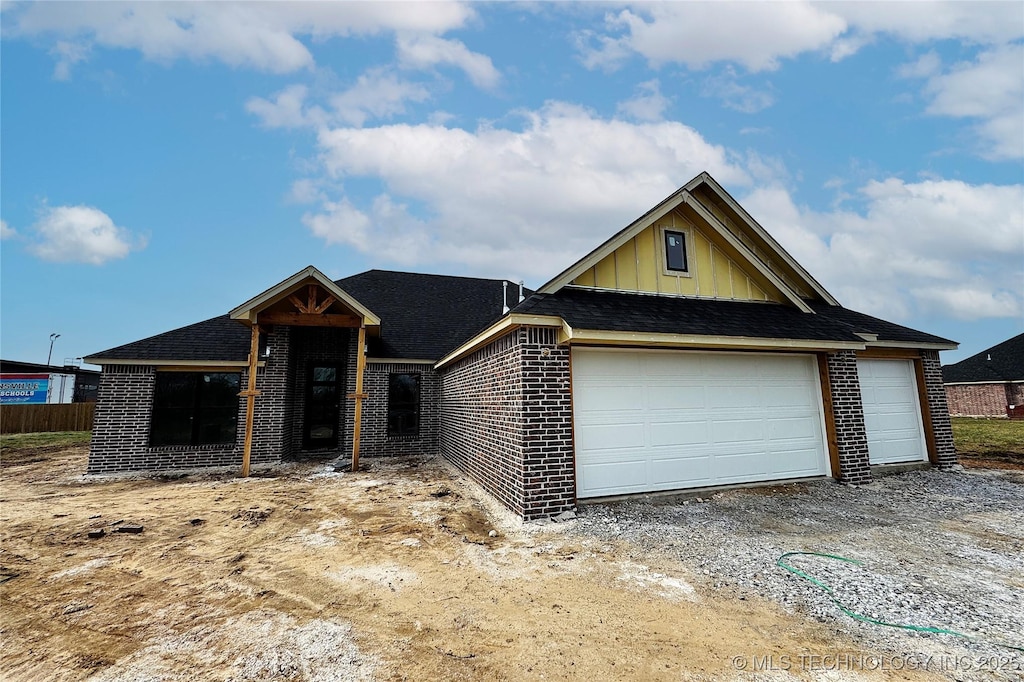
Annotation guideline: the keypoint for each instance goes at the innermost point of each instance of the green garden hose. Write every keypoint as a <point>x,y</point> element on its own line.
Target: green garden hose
<point>781,563</point>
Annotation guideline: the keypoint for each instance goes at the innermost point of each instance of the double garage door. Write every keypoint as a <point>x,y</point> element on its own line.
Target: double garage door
<point>667,420</point>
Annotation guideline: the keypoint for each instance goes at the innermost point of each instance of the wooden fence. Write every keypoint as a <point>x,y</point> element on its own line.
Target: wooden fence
<point>38,418</point>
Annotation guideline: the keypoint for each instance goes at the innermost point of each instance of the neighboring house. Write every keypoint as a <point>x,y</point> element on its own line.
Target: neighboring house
<point>687,351</point>
<point>989,384</point>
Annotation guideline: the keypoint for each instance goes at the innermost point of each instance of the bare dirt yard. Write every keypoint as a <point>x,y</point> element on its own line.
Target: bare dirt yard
<point>394,573</point>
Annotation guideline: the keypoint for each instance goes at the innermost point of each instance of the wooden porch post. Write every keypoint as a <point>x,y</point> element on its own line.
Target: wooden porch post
<point>250,397</point>
<point>359,395</point>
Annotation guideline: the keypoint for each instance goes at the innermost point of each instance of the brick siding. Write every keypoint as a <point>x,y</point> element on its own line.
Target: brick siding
<point>945,452</point>
<point>506,421</point>
<point>374,438</point>
<point>548,459</point>
<point>848,412</point>
<point>982,400</point>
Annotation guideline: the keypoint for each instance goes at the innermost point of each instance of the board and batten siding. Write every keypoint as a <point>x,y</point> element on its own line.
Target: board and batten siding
<point>639,265</point>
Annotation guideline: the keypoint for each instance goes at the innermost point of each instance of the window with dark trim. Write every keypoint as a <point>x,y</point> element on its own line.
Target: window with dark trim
<point>194,408</point>
<point>675,251</point>
<point>403,404</point>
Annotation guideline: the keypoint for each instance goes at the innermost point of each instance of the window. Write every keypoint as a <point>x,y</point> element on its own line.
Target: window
<point>404,405</point>
<point>194,408</point>
<point>675,251</point>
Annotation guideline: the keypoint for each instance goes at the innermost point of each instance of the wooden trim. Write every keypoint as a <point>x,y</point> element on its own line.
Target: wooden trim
<point>830,415</point>
<point>572,433</point>
<point>358,397</point>
<point>178,365</point>
<point>287,288</point>
<point>250,398</point>
<point>889,353</point>
<point>744,252</point>
<point>398,361</point>
<point>656,339</point>
<point>202,368</point>
<point>926,411</point>
<point>915,345</point>
<point>309,320</point>
<point>769,241</point>
<point>506,323</point>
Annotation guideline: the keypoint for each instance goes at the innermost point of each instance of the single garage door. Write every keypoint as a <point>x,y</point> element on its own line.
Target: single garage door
<point>892,411</point>
<point>664,420</point>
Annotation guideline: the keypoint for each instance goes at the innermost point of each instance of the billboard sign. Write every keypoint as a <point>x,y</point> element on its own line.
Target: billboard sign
<point>25,389</point>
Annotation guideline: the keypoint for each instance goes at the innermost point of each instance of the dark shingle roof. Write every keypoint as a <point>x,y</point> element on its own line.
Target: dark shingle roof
<point>219,338</point>
<point>616,311</point>
<point>426,316</point>
<point>422,317</point>
<point>886,331</point>
<point>1002,362</point>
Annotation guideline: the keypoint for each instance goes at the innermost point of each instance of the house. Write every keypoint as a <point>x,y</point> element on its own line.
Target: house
<point>689,350</point>
<point>989,384</point>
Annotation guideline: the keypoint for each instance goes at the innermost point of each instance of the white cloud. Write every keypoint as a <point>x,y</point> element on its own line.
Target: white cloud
<point>735,95</point>
<point>990,88</point>
<point>81,234</point>
<point>759,35</point>
<point>917,22</point>
<point>377,93</point>
<point>756,35</point>
<point>67,54</point>
<point>259,35</point>
<point>286,109</point>
<point>530,199</point>
<point>6,231</point>
<point>422,51</point>
<point>936,246</point>
<point>648,104</point>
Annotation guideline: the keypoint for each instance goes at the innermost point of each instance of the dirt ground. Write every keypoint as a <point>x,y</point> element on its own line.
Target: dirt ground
<point>393,573</point>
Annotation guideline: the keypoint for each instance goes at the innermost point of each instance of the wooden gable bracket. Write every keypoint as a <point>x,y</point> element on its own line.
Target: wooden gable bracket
<point>311,313</point>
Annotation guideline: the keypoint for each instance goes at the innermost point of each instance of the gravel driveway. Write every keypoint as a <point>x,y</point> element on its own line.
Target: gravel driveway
<point>938,549</point>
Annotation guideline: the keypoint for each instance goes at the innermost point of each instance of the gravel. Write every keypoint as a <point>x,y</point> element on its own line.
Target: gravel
<point>940,549</point>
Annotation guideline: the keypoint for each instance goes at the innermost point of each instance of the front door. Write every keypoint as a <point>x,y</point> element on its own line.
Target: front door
<point>323,405</point>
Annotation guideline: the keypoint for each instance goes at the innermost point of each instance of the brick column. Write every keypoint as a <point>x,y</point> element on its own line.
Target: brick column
<point>848,413</point>
<point>271,436</point>
<point>548,466</point>
<point>945,453</point>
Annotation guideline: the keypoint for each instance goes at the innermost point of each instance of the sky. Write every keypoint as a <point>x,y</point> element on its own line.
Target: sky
<point>161,163</point>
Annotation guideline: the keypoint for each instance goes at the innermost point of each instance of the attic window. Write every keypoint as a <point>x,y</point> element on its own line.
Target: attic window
<point>675,251</point>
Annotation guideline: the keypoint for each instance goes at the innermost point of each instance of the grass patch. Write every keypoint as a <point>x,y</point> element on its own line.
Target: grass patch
<point>14,442</point>
<point>988,437</point>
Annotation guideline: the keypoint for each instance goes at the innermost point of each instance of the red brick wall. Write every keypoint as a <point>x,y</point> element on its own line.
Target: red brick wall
<point>977,400</point>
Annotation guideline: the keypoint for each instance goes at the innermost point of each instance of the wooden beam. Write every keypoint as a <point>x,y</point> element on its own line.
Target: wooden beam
<point>310,320</point>
<point>250,398</point>
<point>830,415</point>
<point>311,305</point>
<point>889,353</point>
<point>359,396</point>
<point>324,305</point>
<point>298,304</point>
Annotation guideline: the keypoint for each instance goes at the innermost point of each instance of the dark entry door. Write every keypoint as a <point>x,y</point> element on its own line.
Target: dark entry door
<point>323,405</point>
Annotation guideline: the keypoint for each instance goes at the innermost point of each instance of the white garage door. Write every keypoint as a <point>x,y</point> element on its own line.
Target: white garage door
<point>892,411</point>
<point>653,420</point>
